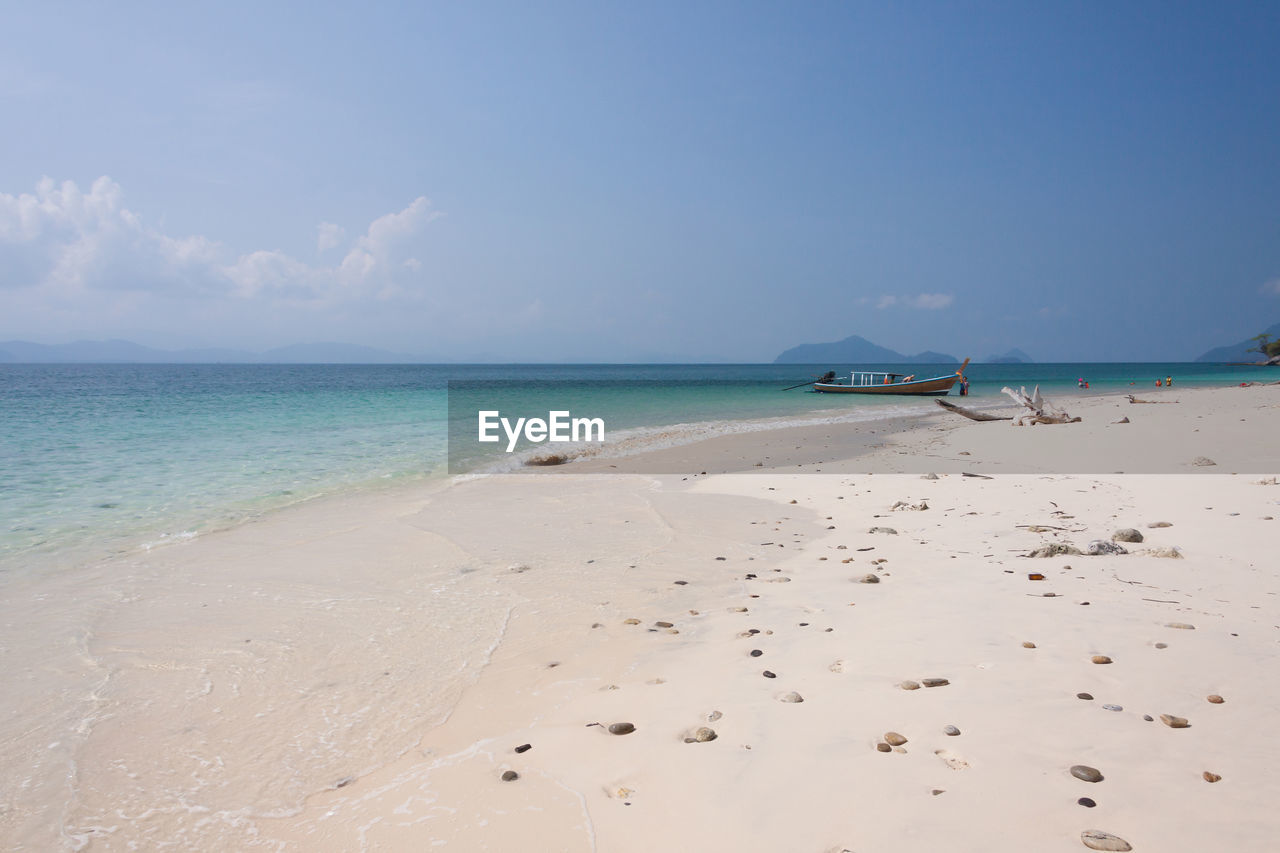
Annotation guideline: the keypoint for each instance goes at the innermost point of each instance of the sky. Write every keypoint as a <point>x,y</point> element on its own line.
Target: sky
<point>595,181</point>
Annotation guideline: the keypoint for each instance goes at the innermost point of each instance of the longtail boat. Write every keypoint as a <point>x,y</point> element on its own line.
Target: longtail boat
<point>880,382</point>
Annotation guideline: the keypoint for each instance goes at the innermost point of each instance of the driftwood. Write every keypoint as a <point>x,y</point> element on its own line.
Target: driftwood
<point>971,414</point>
<point>1036,409</point>
<point>1133,399</point>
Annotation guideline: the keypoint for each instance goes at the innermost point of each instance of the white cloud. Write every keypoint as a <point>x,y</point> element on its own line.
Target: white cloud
<point>1272,287</point>
<point>925,301</point>
<point>931,301</point>
<point>329,235</point>
<point>66,244</point>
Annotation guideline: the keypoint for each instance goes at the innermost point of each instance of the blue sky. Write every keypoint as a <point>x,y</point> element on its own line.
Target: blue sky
<point>590,181</point>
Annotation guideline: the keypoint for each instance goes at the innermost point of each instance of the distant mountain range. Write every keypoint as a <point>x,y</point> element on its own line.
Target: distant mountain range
<point>1240,351</point>
<point>1013,356</point>
<point>859,349</point>
<point>126,352</point>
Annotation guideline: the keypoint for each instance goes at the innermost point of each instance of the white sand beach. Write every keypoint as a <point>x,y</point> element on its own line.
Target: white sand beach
<point>359,674</point>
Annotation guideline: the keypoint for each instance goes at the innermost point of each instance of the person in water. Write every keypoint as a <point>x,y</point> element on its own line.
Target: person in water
<point>964,387</point>
<point>1168,381</point>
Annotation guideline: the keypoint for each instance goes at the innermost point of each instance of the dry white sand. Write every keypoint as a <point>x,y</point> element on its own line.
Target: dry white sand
<point>401,647</point>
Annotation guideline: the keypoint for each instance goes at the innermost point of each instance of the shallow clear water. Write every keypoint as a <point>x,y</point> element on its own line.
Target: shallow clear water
<point>95,458</point>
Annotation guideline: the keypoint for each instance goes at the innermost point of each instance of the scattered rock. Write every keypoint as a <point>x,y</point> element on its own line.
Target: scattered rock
<point>1127,534</point>
<point>1100,659</point>
<point>1162,645</point>
<point>630,621</point>
<point>768,674</point>
<point>344,781</point>
<point>702,735</point>
<point>755,653</point>
<point>713,716</point>
<point>929,476</point>
<point>883,530</point>
<point>1124,420</point>
<point>894,739</point>
<point>1086,802</point>
<point>1096,840</point>
<point>1156,524</point>
<point>1028,645</point>
<point>518,568</point>
<point>869,579</point>
<point>1102,548</point>
<point>1174,722</point>
<point>1085,696</point>
<point>950,731</point>
<point>1168,553</point>
<point>1054,549</point>
<point>621,728</point>
<point>524,747</point>
<point>792,697</point>
<point>909,685</point>
<point>664,625</point>
<point>883,747</point>
<point>1113,707</point>
<point>1203,462</point>
<point>1148,718</point>
<point>934,682</point>
<point>1085,773</point>
<point>1215,699</point>
<point>510,776</point>
<point>1181,625</point>
<point>737,610</point>
<point>1211,777</point>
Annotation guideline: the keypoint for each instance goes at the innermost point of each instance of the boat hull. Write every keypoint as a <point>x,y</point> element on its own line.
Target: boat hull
<point>936,386</point>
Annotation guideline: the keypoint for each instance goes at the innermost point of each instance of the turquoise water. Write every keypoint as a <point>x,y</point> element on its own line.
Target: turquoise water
<point>100,458</point>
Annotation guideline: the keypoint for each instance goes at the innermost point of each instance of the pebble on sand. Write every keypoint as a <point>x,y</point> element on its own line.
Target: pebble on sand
<point>1085,773</point>
<point>1097,840</point>
<point>621,728</point>
<point>1211,777</point>
<point>1100,659</point>
<point>1086,802</point>
<point>934,682</point>
<point>1180,625</point>
<point>664,624</point>
<point>702,735</point>
<point>950,731</point>
<point>510,776</point>
<point>1174,722</point>
<point>1215,699</point>
<point>909,685</point>
<point>883,530</point>
<point>768,674</point>
<point>1127,534</point>
<point>792,697</point>
<point>1086,696</point>
<point>630,621</point>
<point>1028,645</point>
<point>524,747</point>
<point>884,747</point>
<point>869,579</point>
<point>1157,524</point>
<point>1203,461</point>
<point>894,739</point>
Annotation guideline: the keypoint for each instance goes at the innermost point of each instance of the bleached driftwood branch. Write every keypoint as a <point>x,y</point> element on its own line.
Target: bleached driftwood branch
<point>1036,409</point>
<point>971,414</point>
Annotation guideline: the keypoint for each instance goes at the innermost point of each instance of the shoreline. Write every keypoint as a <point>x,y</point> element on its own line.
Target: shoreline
<point>392,650</point>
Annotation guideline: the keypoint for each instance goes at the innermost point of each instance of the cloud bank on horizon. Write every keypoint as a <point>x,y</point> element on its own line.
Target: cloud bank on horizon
<point>1093,185</point>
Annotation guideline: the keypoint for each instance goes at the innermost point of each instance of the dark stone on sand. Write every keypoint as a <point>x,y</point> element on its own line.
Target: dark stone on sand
<point>344,781</point>
<point>934,682</point>
<point>621,728</point>
<point>1174,722</point>
<point>755,653</point>
<point>681,583</point>
<point>883,747</point>
<point>1148,718</point>
<point>950,731</point>
<point>1086,802</point>
<point>510,776</point>
<point>1211,777</point>
<point>1085,773</point>
<point>869,579</point>
<point>524,747</point>
<point>1215,699</point>
<point>1084,696</point>
<point>768,674</point>
<point>664,624</point>
<point>1100,659</point>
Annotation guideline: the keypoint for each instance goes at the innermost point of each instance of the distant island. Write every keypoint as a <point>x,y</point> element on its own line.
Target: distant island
<point>1245,351</point>
<point>1013,356</point>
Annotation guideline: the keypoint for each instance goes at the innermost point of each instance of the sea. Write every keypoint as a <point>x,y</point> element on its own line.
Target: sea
<point>102,459</point>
